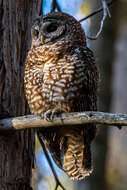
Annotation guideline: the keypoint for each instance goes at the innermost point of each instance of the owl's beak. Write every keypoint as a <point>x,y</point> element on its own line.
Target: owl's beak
<point>42,39</point>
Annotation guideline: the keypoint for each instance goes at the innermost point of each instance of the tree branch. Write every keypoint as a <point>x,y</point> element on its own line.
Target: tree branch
<point>106,13</point>
<point>55,6</point>
<point>76,118</point>
<point>96,12</point>
<point>41,8</point>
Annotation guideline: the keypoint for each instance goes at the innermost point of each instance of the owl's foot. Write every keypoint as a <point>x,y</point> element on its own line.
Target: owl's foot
<point>87,116</point>
<point>50,114</point>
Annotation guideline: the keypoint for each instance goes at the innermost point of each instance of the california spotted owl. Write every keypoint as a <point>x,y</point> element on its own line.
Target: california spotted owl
<point>61,76</point>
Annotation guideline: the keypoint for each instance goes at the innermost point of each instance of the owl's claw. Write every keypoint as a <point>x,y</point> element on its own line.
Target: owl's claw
<point>87,116</point>
<point>49,115</point>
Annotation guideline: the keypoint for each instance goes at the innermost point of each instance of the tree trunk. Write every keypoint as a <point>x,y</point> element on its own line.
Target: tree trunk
<point>17,149</point>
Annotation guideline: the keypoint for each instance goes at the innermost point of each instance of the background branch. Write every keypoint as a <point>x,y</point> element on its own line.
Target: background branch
<point>76,118</point>
<point>106,13</point>
<point>96,12</point>
<point>55,6</point>
<point>41,8</point>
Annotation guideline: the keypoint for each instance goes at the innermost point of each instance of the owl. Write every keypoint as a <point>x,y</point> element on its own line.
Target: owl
<point>61,76</point>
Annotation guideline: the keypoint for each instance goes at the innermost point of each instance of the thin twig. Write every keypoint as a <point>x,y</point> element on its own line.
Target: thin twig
<point>106,12</point>
<point>58,183</point>
<point>41,8</point>
<point>105,7</point>
<point>65,119</point>
<point>96,12</point>
<point>55,6</point>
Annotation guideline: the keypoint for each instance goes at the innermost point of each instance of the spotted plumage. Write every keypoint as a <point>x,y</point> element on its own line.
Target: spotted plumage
<point>61,76</point>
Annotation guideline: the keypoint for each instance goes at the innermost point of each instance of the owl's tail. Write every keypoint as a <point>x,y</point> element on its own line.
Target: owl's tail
<point>77,156</point>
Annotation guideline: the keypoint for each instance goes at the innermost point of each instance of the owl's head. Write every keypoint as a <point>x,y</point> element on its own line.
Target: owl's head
<point>58,28</point>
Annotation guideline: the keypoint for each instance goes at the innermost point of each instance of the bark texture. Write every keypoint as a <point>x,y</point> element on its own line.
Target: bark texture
<point>17,149</point>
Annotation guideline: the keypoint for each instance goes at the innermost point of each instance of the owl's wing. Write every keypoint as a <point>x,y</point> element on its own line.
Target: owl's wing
<point>88,98</point>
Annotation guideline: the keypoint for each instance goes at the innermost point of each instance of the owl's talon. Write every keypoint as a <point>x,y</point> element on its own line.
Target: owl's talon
<point>87,116</point>
<point>49,115</point>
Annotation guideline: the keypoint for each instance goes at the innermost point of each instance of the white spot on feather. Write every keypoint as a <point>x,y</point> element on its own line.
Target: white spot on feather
<point>58,83</point>
<point>58,98</point>
<point>57,89</point>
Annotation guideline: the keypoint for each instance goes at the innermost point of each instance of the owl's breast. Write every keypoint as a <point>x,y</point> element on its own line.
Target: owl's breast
<point>60,81</point>
<point>55,85</point>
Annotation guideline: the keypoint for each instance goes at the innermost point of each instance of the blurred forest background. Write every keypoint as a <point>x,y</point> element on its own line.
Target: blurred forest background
<point>109,148</point>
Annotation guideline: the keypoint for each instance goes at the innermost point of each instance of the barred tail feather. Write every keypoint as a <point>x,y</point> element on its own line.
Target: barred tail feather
<point>77,157</point>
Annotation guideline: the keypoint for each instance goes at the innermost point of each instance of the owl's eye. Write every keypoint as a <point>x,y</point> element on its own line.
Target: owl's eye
<point>52,28</point>
<point>49,27</point>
